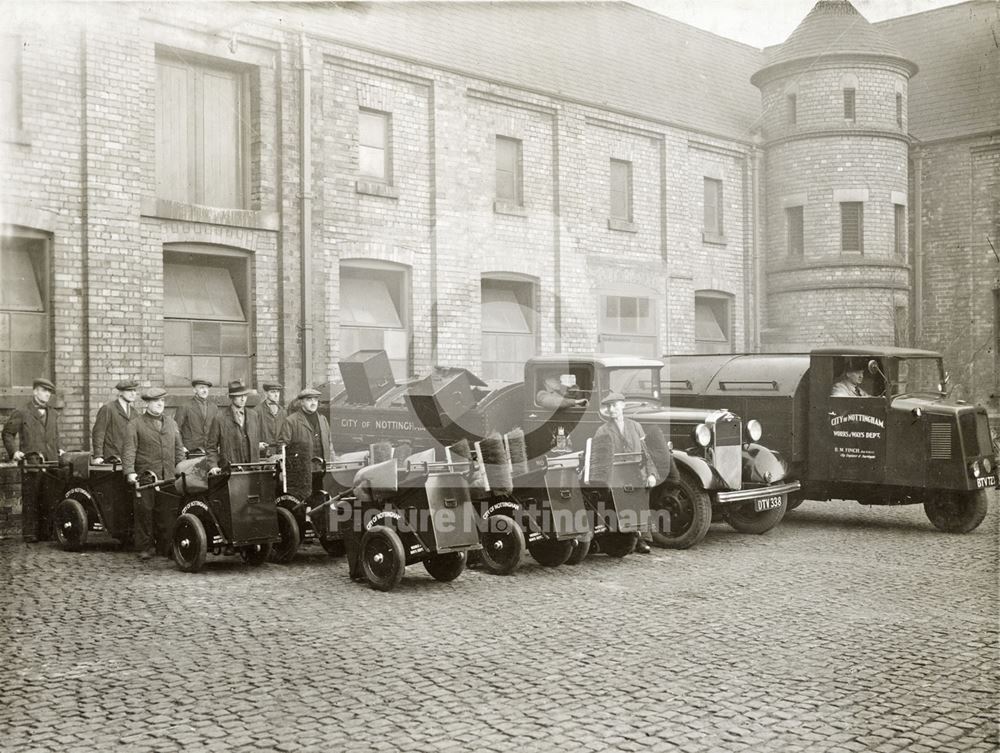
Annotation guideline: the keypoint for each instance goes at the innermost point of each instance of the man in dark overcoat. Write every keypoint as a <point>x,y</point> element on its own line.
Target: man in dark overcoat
<point>194,416</point>
<point>270,412</point>
<point>234,435</point>
<point>305,433</point>
<point>152,443</point>
<point>113,418</point>
<point>35,428</point>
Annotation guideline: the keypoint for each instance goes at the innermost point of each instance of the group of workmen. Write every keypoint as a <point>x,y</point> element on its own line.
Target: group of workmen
<point>149,441</point>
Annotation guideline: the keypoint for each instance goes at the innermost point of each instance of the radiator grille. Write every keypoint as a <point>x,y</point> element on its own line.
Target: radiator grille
<point>941,437</point>
<point>729,451</point>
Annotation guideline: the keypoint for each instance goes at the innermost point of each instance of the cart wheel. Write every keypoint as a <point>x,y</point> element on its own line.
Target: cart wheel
<point>746,520</point>
<point>189,543</point>
<point>256,555</point>
<point>288,529</point>
<point>503,545</point>
<point>581,548</point>
<point>445,567</point>
<point>550,552</point>
<point>333,547</point>
<point>382,558</point>
<point>957,512</point>
<point>690,512</point>
<point>618,544</point>
<point>70,524</point>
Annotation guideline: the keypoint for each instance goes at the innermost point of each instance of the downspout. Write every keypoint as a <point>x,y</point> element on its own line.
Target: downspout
<point>918,250</point>
<point>757,155</point>
<point>305,197</point>
<point>88,318</point>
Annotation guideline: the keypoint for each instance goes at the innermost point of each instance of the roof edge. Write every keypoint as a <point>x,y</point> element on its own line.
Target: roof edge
<point>770,72</point>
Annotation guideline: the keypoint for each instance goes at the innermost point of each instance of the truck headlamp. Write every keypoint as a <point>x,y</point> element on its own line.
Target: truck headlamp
<point>976,470</point>
<point>702,435</point>
<point>754,430</point>
<point>987,465</point>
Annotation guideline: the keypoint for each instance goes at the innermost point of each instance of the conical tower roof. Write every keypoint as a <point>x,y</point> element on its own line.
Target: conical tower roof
<point>832,29</point>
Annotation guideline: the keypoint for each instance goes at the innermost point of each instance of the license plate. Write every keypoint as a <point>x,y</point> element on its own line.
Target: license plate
<point>767,503</point>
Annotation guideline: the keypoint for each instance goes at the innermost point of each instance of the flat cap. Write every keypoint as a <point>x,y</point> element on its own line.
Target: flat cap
<point>237,388</point>
<point>308,392</point>
<point>612,397</point>
<point>42,382</point>
<point>127,384</point>
<point>154,393</point>
<point>196,382</point>
<point>268,386</point>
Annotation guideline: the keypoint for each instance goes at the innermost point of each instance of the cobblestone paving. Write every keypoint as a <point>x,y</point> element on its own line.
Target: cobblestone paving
<point>846,629</point>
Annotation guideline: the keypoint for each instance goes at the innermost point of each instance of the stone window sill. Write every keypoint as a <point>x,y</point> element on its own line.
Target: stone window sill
<point>374,188</point>
<point>506,207</point>
<point>716,239</point>
<point>15,136</point>
<point>623,226</point>
<point>176,210</point>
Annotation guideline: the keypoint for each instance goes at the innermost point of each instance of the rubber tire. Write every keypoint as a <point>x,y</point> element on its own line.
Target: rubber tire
<point>581,548</point>
<point>794,500</point>
<point>257,554</point>
<point>743,518</point>
<point>333,547</point>
<point>957,512</point>
<point>551,552</point>
<point>618,545</point>
<point>192,558</point>
<point>288,529</point>
<point>509,537</point>
<point>70,511</point>
<point>445,567</point>
<point>696,499</point>
<point>385,541</point>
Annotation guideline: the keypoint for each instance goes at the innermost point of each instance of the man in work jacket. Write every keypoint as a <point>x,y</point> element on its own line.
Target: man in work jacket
<point>194,417</point>
<point>108,435</point>
<point>234,435</point>
<point>305,433</point>
<point>270,412</point>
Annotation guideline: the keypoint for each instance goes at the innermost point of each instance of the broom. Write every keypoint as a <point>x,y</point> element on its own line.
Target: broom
<point>659,453</point>
<point>518,452</point>
<point>602,457</point>
<point>497,462</point>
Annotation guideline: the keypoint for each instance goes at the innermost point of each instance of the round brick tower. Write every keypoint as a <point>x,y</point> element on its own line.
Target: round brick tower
<point>835,184</point>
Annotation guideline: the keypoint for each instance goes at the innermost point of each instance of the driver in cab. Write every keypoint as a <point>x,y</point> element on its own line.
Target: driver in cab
<point>556,395</point>
<point>849,383</point>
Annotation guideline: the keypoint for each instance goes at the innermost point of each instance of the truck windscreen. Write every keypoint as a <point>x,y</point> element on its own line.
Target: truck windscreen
<point>919,375</point>
<point>635,383</point>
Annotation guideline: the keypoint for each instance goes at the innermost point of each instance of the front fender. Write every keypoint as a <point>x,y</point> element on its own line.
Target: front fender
<point>697,466</point>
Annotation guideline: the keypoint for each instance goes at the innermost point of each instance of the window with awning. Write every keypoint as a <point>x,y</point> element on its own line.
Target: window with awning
<point>508,318</point>
<point>24,307</point>
<point>711,324</point>
<point>374,312</point>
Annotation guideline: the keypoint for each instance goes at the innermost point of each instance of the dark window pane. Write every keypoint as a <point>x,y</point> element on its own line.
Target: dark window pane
<point>793,218</point>
<point>206,368</point>
<point>792,104</point>
<point>234,339</point>
<point>234,368</point>
<point>176,337</point>
<point>177,371</point>
<point>28,332</point>
<point>205,337</point>
<point>713,206</point>
<point>849,104</point>
<point>21,281</point>
<point>851,226</point>
<point>25,367</point>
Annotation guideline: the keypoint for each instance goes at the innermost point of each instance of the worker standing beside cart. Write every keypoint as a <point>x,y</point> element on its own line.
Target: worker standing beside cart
<point>152,444</point>
<point>234,434</point>
<point>111,424</point>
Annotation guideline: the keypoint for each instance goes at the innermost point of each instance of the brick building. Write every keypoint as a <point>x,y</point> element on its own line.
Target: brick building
<point>256,190</point>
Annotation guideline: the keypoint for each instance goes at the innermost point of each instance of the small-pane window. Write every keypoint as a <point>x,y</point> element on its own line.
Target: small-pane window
<point>24,307</point>
<point>621,190</point>
<point>792,104</point>
<point>375,145</point>
<point>849,104</point>
<point>900,229</point>
<point>793,221</point>
<point>508,172</point>
<point>851,227</point>
<point>713,206</point>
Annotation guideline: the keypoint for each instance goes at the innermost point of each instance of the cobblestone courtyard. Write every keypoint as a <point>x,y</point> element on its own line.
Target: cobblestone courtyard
<point>846,629</point>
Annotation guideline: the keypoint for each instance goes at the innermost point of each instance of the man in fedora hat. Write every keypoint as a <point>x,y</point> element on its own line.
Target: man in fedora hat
<point>152,444</point>
<point>113,418</point>
<point>194,417</point>
<point>234,435</point>
<point>270,412</point>
<point>305,433</point>
<point>627,436</point>
<point>849,384</point>
<point>35,429</point>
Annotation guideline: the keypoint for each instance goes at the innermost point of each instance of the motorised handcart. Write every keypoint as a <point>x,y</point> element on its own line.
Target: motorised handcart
<point>99,498</point>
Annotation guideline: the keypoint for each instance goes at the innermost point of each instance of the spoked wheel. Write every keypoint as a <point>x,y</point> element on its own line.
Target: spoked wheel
<point>581,548</point>
<point>445,567</point>
<point>288,529</point>
<point>189,543</point>
<point>618,544</point>
<point>382,558</point>
<point>70,524</point>
<point>551,552</point>
<point>957,512</point>
<point>745,519</point>
<point>256,555</point>
<point>690,512</point>
<point>503,545</point>
<point>333,547</point>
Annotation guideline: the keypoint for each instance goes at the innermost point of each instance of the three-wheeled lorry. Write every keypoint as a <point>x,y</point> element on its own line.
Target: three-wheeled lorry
<point>725,468</point>
<point>904,441</point>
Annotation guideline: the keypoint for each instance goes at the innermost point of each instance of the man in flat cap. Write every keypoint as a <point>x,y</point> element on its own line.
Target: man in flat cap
<point>35,428</point>
<point>152,443</point>
<point>113,418</point>
<point>306,435</point>
<point>627,436</point>
<point>270,412</point>
<point>234,435</point>
<point>194,417</point>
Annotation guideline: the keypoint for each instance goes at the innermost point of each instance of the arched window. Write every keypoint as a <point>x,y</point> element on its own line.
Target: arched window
<point>509,314</point>
<point>375,311</point>
<point>24,306</point>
